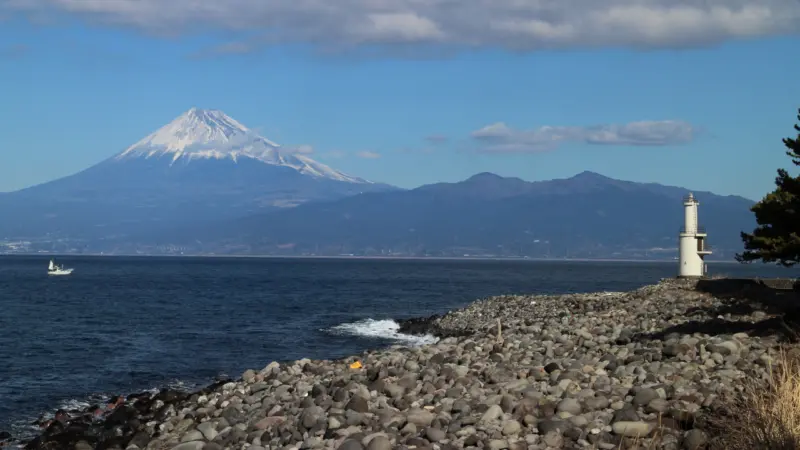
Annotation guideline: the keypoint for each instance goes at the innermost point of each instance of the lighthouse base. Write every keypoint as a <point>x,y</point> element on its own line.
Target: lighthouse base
<point>690,260</point>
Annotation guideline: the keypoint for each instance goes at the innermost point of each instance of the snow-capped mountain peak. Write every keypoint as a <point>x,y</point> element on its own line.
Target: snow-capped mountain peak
<point>211,134</point>
<point>199,133</point>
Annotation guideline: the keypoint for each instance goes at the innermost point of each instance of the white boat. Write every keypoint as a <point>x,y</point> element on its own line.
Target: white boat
<point>53,269</point>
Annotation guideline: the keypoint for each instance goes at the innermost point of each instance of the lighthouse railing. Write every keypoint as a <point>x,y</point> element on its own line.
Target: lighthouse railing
<point>698,229</point>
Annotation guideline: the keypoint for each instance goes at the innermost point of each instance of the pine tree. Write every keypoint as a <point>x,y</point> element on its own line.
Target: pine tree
<point>777,236</point>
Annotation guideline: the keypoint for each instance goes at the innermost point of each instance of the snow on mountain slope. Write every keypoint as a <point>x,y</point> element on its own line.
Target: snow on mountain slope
<point>211,134</point>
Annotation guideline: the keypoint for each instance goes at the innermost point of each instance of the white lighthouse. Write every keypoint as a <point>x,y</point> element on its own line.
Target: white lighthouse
<point>692,242</point>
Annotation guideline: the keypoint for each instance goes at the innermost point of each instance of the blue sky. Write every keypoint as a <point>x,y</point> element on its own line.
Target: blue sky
<point>410,92</point>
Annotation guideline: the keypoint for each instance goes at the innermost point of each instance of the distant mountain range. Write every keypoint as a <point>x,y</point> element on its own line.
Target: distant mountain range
<point>205,184</point>
<point>201,166</point>
<point>586,216</point>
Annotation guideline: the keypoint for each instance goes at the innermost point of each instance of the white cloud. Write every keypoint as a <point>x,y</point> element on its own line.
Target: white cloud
<point>368,155</point>
<point>500,138</point>
<point>512,24</point>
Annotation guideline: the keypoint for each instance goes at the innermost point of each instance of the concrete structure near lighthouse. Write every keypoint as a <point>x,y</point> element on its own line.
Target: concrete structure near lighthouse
<point>692,242</point>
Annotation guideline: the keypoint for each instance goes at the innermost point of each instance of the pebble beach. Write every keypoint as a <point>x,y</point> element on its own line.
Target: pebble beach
<point>606,370</point>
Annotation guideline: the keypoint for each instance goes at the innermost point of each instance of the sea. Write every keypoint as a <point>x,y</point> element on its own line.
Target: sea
<point>119,325</point>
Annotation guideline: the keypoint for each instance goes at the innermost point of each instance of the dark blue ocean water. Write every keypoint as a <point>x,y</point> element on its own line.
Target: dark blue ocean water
<point>119,325</point>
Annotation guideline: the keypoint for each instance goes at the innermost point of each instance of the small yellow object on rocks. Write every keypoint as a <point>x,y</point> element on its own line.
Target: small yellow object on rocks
<point>356,365</point>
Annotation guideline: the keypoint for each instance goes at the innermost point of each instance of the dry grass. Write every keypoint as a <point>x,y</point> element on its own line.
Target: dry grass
<point>637,443</point>
<point>767,415</point>
<point>652,442</point>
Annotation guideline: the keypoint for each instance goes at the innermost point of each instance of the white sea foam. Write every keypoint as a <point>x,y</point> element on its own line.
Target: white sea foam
<point>382,329</point>
<point>74,404</point>
<point>25,428</point>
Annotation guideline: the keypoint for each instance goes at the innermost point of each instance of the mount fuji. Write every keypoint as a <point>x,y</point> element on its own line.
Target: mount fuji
<point>204,166</point>
<point>211,135</point>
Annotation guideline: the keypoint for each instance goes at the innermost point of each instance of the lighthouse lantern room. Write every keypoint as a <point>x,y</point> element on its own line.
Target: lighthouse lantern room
<point>692,242</point>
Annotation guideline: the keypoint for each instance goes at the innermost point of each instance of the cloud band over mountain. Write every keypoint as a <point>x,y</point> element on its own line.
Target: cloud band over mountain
<point>510,24</point>
<point>500,138</point>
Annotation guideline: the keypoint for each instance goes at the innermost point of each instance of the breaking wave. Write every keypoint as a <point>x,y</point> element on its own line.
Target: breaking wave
<point>381,329</point>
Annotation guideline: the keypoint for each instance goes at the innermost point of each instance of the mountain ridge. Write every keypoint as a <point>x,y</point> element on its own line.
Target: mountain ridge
<point>589,215</point>
<point>587,179</point>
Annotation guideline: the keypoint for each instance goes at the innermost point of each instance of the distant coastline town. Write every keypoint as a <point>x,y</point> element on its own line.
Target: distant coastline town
<point>27,248</point>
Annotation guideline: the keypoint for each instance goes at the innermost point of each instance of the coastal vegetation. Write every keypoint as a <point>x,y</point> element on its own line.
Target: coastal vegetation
<point>777,236</point>
<point>765,414</point>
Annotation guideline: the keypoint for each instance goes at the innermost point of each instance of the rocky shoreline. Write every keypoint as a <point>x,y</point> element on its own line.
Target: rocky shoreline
<point>599,370</point>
